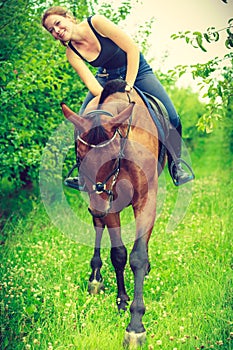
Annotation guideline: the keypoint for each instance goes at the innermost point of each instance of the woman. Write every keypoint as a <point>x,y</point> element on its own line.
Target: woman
<point>100,43</point>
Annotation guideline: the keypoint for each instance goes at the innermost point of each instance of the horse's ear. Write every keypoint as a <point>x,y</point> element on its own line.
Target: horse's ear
<point>81,123</point>
<point>116,121</point>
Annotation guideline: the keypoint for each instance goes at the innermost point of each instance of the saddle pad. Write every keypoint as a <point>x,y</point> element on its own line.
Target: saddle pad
<point>158,113</point>
<point>161,113</point>
<point>160,117</point>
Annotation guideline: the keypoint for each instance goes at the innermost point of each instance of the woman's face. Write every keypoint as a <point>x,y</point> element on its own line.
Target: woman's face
<point>60,27</point>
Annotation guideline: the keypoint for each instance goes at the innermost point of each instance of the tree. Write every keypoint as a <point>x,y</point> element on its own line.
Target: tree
<point>215,75</point>
<point>35,77</point>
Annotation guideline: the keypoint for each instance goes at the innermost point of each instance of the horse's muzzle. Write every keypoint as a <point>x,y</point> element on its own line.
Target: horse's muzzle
<point>100,207</point>
<point>98,214</point>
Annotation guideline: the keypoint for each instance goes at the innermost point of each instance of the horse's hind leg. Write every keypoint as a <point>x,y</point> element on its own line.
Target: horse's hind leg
<point>95,284</point>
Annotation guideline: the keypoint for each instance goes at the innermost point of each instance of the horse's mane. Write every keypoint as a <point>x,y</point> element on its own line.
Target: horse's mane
<point>112,86</point>
<point>97,134</point>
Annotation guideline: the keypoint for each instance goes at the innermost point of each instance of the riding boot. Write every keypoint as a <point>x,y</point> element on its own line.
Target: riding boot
<point>178,174</point>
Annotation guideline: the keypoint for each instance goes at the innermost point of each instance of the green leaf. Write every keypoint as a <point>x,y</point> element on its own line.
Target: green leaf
<point>198,34</point>
<point>199,42</point>
<point>206,36</point>
<point>230,22</point>
<point>229,43</point>
<point>194,43</point>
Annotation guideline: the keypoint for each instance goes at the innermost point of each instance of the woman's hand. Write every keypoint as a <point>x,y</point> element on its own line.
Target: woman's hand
<point>128,88</point>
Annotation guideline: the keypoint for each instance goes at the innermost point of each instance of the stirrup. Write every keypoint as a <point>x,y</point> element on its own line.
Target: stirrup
<point>73,182</point>
<point>175,181</point>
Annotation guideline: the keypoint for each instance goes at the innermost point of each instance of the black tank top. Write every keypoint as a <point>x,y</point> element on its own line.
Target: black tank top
<point>111,56</point>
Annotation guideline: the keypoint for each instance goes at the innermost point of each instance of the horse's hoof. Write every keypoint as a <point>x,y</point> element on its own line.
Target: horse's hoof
<point>122,303</point>
<point>95,287</point>
<point>134,340</point>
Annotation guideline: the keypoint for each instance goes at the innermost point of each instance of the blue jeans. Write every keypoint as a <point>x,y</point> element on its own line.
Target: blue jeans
<point>146,81</point>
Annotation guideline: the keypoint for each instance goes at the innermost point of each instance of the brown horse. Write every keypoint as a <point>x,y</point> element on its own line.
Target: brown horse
<point>118,146</point>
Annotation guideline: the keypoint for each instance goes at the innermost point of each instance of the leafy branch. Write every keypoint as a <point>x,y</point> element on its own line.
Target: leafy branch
<point>215,76</point>
<point>217,85</point>
<point>197,39</point>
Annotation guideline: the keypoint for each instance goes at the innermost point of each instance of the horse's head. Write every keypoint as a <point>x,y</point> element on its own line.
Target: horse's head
<point>99,149</point>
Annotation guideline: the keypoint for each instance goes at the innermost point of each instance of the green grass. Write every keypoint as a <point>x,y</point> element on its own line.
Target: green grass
<point>188,294</point>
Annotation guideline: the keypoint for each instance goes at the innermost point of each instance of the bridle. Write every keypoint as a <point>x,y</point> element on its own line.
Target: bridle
<point>100,187</point>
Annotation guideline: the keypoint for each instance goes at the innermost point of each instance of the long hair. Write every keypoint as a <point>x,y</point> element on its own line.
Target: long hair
<point>60,11</point>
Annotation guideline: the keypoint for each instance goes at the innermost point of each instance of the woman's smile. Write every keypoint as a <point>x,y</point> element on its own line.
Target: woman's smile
<point>58,26</point>
<point>62,33</point>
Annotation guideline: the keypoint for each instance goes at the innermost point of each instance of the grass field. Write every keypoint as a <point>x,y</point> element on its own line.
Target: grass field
<point>188,294</point>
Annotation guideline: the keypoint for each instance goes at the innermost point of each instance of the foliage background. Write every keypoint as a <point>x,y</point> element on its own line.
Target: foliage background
<point>44,304</point>
<point>35,78</point>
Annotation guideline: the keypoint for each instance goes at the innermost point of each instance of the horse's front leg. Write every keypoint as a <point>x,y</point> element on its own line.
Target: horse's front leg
<point>135,333</point>
<point>118,258</point>
<point>95,284</point>
<point>139,262</point>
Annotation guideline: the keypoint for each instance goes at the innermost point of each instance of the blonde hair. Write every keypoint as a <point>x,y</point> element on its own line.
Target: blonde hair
<point>60,11</point>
